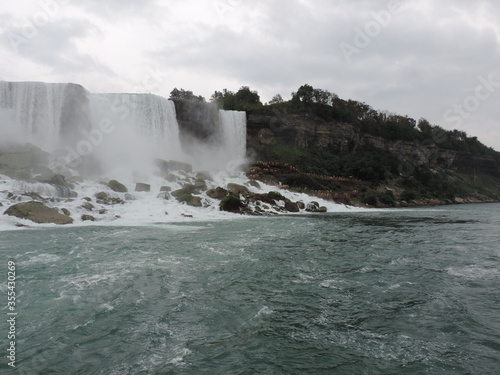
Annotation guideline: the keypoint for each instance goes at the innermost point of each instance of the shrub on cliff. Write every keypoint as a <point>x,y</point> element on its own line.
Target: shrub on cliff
<point>230,203</point>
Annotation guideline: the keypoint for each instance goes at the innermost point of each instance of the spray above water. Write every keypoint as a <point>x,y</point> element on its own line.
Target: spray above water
<point>128,159</point>
<point>102,134</point>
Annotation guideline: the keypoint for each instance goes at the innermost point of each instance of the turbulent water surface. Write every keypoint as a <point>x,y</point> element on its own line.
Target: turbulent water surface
<point>377,292</point>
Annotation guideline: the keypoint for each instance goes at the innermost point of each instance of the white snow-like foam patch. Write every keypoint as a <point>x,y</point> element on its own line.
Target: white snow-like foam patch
<point>147,208</point>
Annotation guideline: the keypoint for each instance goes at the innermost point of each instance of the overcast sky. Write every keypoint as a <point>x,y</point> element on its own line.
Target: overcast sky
<point>434,59</point>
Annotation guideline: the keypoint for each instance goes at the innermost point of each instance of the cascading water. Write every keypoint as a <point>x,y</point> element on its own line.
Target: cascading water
<point>233,128</point>
<point>141,127</point>
<point>68,121</point>
<point>31,112</point>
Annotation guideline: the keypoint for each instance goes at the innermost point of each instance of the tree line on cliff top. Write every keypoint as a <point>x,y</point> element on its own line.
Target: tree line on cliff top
<point>329,107</point>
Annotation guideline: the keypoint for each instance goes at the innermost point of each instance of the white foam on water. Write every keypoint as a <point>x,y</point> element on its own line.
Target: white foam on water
<point>107,307</point>
<point>179,360</point>
<point>473,272</point>
<point>42,258</point>
<point>124,134</point>
<point>264,311</point>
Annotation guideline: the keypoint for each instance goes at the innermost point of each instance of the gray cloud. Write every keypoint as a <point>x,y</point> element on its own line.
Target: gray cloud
<point>427,58</point>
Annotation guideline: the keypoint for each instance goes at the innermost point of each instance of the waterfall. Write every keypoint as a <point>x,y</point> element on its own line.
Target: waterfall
<point>143,127</point>
<point>44,189</point>
<point>233,130</point>
<point>99,133</point>
<point>31,112</point>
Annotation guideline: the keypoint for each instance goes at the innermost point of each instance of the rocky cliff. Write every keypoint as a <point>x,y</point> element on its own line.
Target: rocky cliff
<point>306,130</point>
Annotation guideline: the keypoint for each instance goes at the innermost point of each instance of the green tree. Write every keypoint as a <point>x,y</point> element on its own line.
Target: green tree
<point>277,99</point>
<point>247,99</point>
<point>186,95</point>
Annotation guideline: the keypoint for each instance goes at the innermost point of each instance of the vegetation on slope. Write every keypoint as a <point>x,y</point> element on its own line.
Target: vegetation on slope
<point>384,181</point>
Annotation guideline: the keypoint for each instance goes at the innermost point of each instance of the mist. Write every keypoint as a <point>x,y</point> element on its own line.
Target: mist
<point>116,135</point>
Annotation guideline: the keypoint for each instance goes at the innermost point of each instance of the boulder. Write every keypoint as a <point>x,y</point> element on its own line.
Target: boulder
<point>142,187</point>
<point>217,193</point>
<point>88,206</point>
<point>183,196</point>
<point>166,188</point>
<point>194,201</point>
<point>17,161</point>
<point>254,183</point>
<point>102,195</point>
<point>195,188</point>
<point>88,218</point>
<point>65,211</point>
<point>117,186</point>
<point>230,203</point>
<point>312,206</point>
<point>236,189</point>
<point>291,206</point>
<point>274,195</point>
<point>104,198</point>
<point>38,212</point>
<point>204,176</point>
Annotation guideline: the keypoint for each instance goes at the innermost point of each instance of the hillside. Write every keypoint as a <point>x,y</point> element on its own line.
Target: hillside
<point>347,151</point>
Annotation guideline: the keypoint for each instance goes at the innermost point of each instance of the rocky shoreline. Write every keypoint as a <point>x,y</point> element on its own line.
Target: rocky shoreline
<point>60,199</point>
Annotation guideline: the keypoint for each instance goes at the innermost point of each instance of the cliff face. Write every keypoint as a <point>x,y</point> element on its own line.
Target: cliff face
<point>264,131</point>
<point>200,120</point>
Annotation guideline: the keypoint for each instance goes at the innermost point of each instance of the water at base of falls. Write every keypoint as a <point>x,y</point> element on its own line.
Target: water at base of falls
<point>94,138</point>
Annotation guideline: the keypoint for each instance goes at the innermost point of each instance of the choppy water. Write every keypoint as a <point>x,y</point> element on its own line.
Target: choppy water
<point>377,292</point>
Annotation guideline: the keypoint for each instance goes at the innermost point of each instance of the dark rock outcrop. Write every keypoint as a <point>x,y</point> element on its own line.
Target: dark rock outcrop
<point>197,120</point>
<point>142,187</point>
<point>307,130</point>
<point>291,206</point>
<point>217,193</point>
<point>18,161</point>
<point>231,203</point>
<point>104,198</point>
<point>117,186</point>
<point>236,189</point>
<point>38,212</point>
